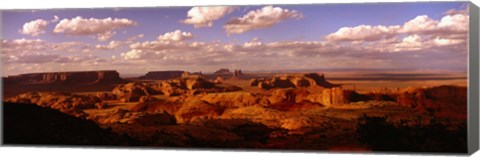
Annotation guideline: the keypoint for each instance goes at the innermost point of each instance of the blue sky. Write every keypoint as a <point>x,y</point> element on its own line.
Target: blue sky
<point>316,23</point>
<point>323,18</point>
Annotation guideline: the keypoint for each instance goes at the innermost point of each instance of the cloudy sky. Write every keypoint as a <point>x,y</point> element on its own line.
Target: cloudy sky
<point>405,36</point>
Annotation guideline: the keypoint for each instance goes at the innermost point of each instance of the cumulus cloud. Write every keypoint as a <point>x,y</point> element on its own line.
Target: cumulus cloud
<point>34,28</point>
<point>176,35</point>
<point>103,28</point>
<point>262,18</point>
<point>204,16</point>
<point>133,54</point>
<point>363,32</point>
<point>454,23</point>
<point>420,34</point>
<point>105,36</point>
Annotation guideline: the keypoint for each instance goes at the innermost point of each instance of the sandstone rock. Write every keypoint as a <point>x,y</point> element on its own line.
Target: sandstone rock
<point>445,100</point>
<point>105,96</point>
<point>222,72</point>
<point>146,99</point>
<point>162,75</point>
<point>218,80</point>
<point>195,109</point>
<point>70,78</point>
<point>333,96</point>
<point>129,117</point>
<point>198,83</point>
<point>232,100</point>
<point>131,92</point>
<point>65,102</point>
<point>100,105</point>
<point>293,81</point>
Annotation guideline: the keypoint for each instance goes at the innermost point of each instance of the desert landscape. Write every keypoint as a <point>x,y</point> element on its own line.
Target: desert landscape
<point>379,77</point>
<point>233,109</point>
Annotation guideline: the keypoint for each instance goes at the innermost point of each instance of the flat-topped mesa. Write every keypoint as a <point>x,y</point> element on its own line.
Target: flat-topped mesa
<point>222,72</point>
<point>162,75</point>
<point>187,74</point>
<point>73,77</point>
<point>293,81</point>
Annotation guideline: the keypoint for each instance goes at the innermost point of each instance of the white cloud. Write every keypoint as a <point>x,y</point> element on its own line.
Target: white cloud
<point>454,24</point>
<point>363,32</point>
<point>262,18</point>
<point>176,35</point>
<point>204,16</point>
<point>132,54</point>
<point>34,28</point>
<point>103,28</point>
<point>105,36</point>
<point>420,24</point>
<point>55,19</point>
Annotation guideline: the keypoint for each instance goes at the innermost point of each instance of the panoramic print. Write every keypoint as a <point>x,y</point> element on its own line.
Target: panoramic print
<point>375,77</point>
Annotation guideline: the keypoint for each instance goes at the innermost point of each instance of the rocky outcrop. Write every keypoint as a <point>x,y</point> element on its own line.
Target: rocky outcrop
<point>293,81</point>
<point>222,72</point>
<point>129,117</point>
<point>187,74</point>
<point>132,92</point>
<point>449,101</point>
<point>69,78</point>
<point>237,73</point>
<point>31,124</point>
<point>291,97</point>
<point>65,102</point>
<point>334,95</point>
<point>162,75</point>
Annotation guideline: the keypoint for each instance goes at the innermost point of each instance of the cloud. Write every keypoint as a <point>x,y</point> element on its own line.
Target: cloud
<point>363,33</point>
<point>454,23</point>
<point>176,35</point>
<point>204,16</point>
<point>55,19</point>
<point>34,28</point>
<point>105,36</point>
<point>103,28</point>
<point>262,18</point>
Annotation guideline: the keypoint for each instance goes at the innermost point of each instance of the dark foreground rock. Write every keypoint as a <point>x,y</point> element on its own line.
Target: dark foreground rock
<point>32,124</point>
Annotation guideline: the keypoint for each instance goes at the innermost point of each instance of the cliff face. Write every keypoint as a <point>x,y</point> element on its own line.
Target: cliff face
<point>293,81</point>
<point>80,77</point>
<point>162,75</point>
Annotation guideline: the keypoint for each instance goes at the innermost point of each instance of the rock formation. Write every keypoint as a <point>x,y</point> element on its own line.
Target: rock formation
<point>69,78</point>
<point>131,92</point>
<point>162,75</point>
<point>187,74</point>
<point>446,100</point>
<point>237,73</point>
<point>222,72</point>
<point>129,117</point>
<point>67,103</point>
<point>293,81</point>
<point>31,124</point>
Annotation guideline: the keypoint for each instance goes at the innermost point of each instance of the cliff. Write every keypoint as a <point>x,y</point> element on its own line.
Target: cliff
<point>77,77</point>
<point>293,81</point>
<point>162,75</point>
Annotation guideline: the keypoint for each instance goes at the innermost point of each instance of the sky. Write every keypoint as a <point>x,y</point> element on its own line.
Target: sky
<point>405,36</point>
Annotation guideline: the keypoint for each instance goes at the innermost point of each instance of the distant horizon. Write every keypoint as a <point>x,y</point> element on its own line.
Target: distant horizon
<point>424,35</point>
<point>268,71</point>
